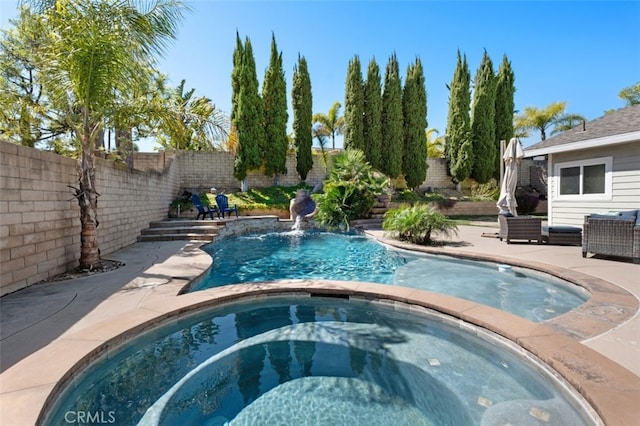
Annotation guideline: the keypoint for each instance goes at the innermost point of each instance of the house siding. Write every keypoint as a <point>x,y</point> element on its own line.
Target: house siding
<point>625,181</point>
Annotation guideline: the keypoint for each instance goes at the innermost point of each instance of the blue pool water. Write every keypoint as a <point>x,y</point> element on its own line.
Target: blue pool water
<point>356,257</point>
<point>317,361</point>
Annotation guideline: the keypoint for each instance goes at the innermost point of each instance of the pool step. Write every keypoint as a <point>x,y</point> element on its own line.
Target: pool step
<point>188,230</point>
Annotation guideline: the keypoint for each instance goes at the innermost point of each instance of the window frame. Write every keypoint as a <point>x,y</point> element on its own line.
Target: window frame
<point>608,169</point>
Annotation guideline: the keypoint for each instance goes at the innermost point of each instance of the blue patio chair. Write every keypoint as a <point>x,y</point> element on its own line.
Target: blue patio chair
<point>223,205</point>
<point>204,210</point>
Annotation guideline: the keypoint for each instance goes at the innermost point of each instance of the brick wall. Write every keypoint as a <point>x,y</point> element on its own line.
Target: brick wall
<point>39,218</point>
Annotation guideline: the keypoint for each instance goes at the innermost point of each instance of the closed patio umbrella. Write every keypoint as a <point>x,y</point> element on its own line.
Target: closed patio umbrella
<point>512,156</point>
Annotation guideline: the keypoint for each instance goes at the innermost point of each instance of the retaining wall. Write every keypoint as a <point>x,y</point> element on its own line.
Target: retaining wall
<point>39,218</point>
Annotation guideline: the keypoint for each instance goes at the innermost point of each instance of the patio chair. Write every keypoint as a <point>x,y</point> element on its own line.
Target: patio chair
<point>223,205</point>
<point>202,209</point>
<point>520,228</point>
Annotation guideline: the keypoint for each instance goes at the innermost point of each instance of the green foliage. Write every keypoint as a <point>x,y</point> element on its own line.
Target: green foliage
<point>236,78</point>
<point>354,107</point>
<point>373,116</point>
<point>435,146</point>
<point>483,126</point>
<point>458,148</point>
<point>485,191</point>
<point>414,104</point>
<point>26,116</point>
<point>392,121</point>
<point>350,191</point>
<point>250,120</point>
<point>188,122</point>
<point>416,224</point>
<point>329,125</point>
<point>505,106</point>
<point>301,99</point>
<point>276,197</point>
<point>274,95</point>
<point>542,119</point>
<point>630,95</point>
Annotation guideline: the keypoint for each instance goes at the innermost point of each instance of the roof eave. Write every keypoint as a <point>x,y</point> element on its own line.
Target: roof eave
<point>585,144</point>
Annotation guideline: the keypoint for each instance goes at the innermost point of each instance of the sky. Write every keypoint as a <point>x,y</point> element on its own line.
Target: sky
<point>581,52</point>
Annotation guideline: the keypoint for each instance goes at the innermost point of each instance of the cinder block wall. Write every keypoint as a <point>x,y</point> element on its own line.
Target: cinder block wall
<point>204,170</point>
<point>39,218</point>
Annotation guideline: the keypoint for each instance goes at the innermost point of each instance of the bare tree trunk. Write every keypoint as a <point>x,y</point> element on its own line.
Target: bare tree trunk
<point>88,201</point>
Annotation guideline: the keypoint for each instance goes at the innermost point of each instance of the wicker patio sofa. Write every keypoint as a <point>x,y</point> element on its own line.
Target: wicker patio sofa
<point>520,228</point>
<point>609,235</point>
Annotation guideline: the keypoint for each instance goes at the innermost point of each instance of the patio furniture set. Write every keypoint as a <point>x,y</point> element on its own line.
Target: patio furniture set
<point>615,234</point>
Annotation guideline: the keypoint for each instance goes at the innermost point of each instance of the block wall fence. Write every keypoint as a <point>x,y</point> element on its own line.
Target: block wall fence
<point>39,218</point>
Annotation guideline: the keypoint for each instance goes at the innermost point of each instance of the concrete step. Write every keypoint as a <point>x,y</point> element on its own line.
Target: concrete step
<point>190,230</point>
<point>205,230</point>
<point>174,237</point>
<point>186,223</point>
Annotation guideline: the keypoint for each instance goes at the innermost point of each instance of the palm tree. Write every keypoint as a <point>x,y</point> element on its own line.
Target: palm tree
<point>94,53</point>
<point>330,124</point>
<point>566,122</point>
<point>435,147</point>
<point>188,122</point>
<point>542,119</point>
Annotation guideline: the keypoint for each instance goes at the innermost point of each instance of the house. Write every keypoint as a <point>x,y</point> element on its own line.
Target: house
<point>593,168</point>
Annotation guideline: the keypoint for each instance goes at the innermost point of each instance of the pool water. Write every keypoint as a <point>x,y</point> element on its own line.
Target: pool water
<point>318,361</point>
<point>356,257</point>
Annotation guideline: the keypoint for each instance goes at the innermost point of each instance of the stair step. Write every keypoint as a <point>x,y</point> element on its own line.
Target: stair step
<point>187,223</point>
<point>191,230</point>
<point>210,230</point>
<point>174,237</point>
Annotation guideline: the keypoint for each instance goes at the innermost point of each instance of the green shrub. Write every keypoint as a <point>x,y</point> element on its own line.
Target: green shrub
<point>485,191</point>
<point>275,197</point>
<point>417,223</point>
<point>350,191</point>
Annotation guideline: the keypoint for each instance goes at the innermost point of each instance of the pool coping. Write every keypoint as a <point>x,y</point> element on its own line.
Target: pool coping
<point>612,390</point>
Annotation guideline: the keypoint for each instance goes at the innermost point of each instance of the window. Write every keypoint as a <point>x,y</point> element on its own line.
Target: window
<point>587,179</point>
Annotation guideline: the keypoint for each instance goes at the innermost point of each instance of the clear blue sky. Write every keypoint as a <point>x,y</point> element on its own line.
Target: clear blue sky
<point>581,52</point>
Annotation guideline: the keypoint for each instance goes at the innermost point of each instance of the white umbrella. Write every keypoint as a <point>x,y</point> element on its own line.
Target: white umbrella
<point>513,154</point>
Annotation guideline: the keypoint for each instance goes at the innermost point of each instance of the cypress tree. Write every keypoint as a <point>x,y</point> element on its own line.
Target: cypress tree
<point>392,135</point>
<point>372,128</point>
<point>250,118</point>
<point>274,96</point>
<point>236,73</point>
<point>354,107</point>
<point>483,125</point>
<point>458,147</point>
<point>301,99</point>
<point>414,105</point>
<point>505,107</point>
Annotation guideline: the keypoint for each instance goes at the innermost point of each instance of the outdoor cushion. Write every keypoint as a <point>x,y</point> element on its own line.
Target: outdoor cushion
<point>609,217</point>
<point>561,229</point>
<point>629,214</point>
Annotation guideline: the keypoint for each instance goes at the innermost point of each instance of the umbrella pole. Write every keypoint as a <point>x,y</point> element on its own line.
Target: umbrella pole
<point>502,148</point>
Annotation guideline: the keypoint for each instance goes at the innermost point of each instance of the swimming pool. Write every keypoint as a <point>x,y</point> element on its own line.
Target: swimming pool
<point>302,360</point>
<point>356,257</point>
